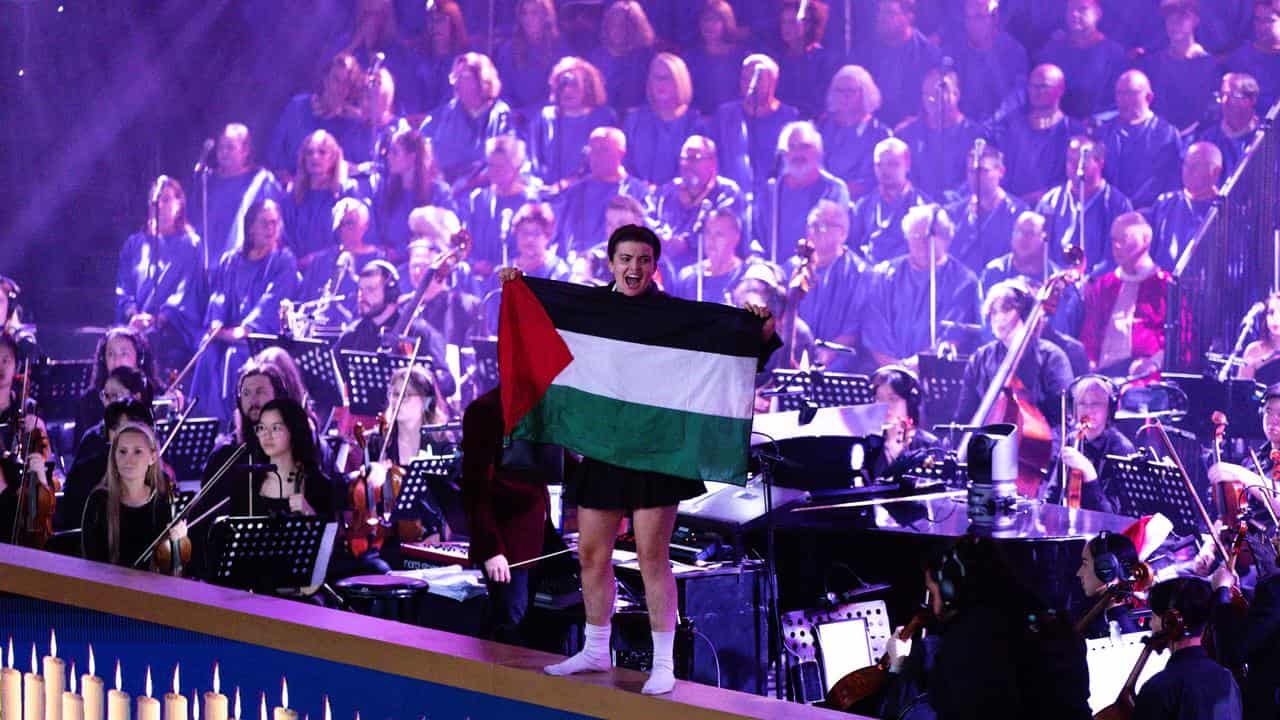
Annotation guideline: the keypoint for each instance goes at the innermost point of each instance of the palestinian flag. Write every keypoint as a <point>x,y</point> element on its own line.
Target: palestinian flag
<point>649,383</point>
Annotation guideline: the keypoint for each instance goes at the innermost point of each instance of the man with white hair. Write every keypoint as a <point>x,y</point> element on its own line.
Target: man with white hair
<point>580,209</point>
<point>877,218</point>
<point>804,182</point>
<point>335,267</point>
<point>690,198</point>
<point>1143,149</point>
<point>897,319</point>
<point>489,210</point>
<point>746,131</point>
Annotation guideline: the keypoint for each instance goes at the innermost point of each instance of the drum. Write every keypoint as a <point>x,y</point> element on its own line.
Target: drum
<point>389,597</point>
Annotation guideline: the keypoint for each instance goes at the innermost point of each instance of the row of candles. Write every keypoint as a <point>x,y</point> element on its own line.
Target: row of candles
<point>46,696</point>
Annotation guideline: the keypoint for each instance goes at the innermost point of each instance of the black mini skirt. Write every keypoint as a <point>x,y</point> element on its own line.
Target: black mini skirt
<point>600,486</point>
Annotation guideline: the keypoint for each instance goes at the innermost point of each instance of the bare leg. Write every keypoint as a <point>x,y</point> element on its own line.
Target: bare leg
<point>653,528</point>
<point>597,530</point>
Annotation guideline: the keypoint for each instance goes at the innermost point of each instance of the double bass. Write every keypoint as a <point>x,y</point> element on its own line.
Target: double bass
<point>1006,399</point>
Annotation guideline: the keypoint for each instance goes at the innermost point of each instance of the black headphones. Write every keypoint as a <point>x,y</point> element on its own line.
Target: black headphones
<point>1106,566</point>
<point>904,383</point>
<point>1113,393</point>
<point>391,290</point>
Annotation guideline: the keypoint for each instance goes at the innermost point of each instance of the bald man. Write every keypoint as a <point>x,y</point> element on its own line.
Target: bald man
<point>1090,60</point>
<point>1124,309</point>
<point>877,217</point>
<point>1178,214</point>
<point>580,209</point>
<point>1034,143</point>
<point>1143,149</point>
<point>697,189</point>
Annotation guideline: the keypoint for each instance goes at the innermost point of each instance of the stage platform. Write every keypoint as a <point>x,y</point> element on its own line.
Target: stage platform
<point>379,668</point>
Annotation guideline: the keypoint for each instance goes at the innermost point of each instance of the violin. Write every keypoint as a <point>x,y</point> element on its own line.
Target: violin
<point>866,682</point>
<point>33,522</point>
<point>1122,708</point>
<point>397,338</point>
<point>366,530</point>
<point>1075,478</point>
<point>171,556</point>
<point>802,281</point>
<point>1115,593</point>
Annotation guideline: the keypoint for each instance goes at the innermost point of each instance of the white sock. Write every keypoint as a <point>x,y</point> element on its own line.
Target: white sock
<point>593,657</point>
<point>662,678</point>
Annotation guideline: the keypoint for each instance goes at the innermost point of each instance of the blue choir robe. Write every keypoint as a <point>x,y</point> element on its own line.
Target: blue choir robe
<point>653,144</point>
<point>1232,148</point>
<point>1032,22</point>
<point>458,138</point>
<point>1034,160</point>
<point>715,78</point>
<point>428,84</point>
<point>1061,227</point>
<point>324,270</point>
<point>165,278</point>
<point>308,224</point>
<point>715,288</point>
<point>624,75</point>
<point>580,211</point>
<point>553,267</point>
<point>373,143</point>
<point>1070,312</point>
<point>557,144</point>
<point>940,158</point>
<point>391,209</point>
<point>836,308</point>
<point>803,78</point>
<point>524,76</point>
<point>229,199</point>
<point>483,213</point>
<point>795,204</point>
<point>675,21</point>
<point>849,151</point>
<point>1265,67</point>
<point>1224,25</point>
<point>876,230</point>
<point>1175,219</point>
<point>296,122</point>
<point>748,146</point>
<point>988,77</point>
<point>1143,160</point>
<point>676,219</point>
<point>1091,74</point>
<point>982,236</point>
<point>899,72</point>
<point>245,292</point>
<point>1183,88</point>
<point>1133,23</point>
<point>897,317</point>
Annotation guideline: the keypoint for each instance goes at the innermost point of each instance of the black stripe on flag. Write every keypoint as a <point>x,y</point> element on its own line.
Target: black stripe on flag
<point>657,319</point>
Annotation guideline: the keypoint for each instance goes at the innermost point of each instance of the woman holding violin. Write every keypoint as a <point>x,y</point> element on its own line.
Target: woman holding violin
<point>297,485</point>
<point>1109,569</point>
<point>1092,402</point>
<point>131,506</point>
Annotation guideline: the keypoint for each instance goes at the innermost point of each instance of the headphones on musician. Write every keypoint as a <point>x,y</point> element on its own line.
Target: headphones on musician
<point>391,289</point>
<point>1021,294</point>
<point>1113,392</point>
<point>1185,601</point>
<point>1114,557</point>
<point>904,383</point>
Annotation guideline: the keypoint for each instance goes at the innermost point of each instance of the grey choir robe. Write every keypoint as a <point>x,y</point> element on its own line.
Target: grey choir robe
<point>245,292</point>
<point>1143,160</point>
<point>164,277</point>
<point>795,204</point>
<point>1175,219</point>
<point>897,317</point>
<point>838,305</point>
<point>1059,207</point>
<point>876,230</point>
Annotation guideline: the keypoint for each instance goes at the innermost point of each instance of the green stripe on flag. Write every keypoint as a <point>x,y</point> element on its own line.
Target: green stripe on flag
<point>641,437</point>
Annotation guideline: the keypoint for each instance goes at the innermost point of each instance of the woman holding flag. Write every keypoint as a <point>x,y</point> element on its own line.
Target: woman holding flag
<point>605,493</point>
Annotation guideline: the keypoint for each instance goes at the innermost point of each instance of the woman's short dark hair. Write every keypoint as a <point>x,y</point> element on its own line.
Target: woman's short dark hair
<point>1191,597</point>
<point>1118,545</point>
<point>129,409</point>
<point>300,437</point>
<point>134,381</point>
<point>635,233</point>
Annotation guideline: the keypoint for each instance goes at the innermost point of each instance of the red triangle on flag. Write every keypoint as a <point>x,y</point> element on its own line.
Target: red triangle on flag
<point>531,354</point>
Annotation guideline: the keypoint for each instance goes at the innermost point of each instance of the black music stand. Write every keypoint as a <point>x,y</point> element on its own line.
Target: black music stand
<point>315,361</point>
<point>182,500</point>
<point>271,554</point>
<point>1146,488</point>
<point>823,389</point>
<point>57,386</point>
<point>486,377</point>
<point>1268,373</point>
<point>367,377</point>
<point>416,489</point>
<point>192,446</point>
<point>941,380</point>
<point>1236,398</point>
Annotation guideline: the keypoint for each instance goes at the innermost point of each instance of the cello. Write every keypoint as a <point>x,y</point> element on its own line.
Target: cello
<point>866,682</point>
<point>1006,399</point>
<point>802,280</point>
<point>33,520</point>
<point>1122,708</point>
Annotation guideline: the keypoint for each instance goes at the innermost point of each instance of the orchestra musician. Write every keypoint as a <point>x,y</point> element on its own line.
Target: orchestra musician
<point>1265,348</point>
<point>10,397</point>
<point>298,485</point>
<point>1107,560</point>
<point>1192,686</point>
<point>1251,638</point>
<point>1092,406</point>
<point>131,505</point>
<point>604,494</point>
<point>90,463</point>
<point>1262,477</point>
<point>119,347</point>
<point>904,440</point>
<point>11,320</point>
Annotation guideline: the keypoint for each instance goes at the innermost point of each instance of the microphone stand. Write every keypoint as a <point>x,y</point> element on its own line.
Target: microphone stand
<point>775,219</point>
<point>771,570</point>
<point>204,213</point>
<point>933,281</point>
<point>1080,208</point>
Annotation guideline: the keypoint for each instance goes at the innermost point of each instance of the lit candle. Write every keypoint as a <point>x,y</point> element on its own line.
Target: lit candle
<point>32,692</point>
<point>283,712</point>
<point>237,703</point>
<point>148,707</point>
<point>215,703</point>
<point>262,706</point>
<point>55,677</point>
<point>175,703</point>
<point>328,714</point>
<point>195,705</point>
<point>10,689</point>
<point>72,703</point>
<point>91,691</point>
<point>117,700</point>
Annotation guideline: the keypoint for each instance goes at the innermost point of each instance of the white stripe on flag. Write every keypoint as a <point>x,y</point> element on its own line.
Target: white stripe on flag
<point>670,378</point>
